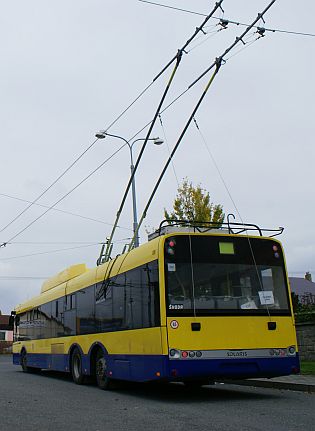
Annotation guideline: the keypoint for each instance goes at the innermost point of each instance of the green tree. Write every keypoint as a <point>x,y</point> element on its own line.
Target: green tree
<point>193,204</point>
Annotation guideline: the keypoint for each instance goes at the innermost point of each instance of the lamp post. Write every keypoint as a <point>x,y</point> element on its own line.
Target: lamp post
<point>157,141</point>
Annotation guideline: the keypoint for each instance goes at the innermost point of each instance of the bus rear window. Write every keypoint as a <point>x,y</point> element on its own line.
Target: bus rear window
<point>208,275</point>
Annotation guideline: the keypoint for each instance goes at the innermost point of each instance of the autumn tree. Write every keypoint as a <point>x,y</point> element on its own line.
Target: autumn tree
<point>193,204</point>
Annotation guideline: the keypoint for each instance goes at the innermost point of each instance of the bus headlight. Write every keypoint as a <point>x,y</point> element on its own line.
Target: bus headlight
<point>174,354</point>
<point>291,350</point>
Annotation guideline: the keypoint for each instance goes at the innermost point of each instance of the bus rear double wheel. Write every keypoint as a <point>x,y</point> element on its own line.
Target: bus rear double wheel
<point>102,380</point>
<point>100,369</point>
<point>76,367</point>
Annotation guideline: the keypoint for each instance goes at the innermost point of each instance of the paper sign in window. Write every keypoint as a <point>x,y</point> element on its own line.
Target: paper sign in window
<point>266,297</point>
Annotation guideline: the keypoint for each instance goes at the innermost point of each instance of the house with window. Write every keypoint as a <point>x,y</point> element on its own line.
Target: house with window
<point>304,288</point>
<point>6,334</point>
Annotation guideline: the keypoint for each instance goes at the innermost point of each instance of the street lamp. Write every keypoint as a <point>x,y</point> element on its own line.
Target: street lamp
<point>157,141</point>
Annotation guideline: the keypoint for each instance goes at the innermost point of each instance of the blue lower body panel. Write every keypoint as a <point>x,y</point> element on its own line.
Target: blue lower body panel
<point>143,368</point>
<point>234,368</point>
<point>43,361</point>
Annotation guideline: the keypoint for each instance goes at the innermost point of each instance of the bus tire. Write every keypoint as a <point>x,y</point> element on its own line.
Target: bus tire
<point>23,362</point>
<point>102,380</point>
<point>76,367</point>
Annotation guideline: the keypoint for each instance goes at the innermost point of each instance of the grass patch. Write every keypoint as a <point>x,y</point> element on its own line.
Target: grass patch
<point>308,367</point>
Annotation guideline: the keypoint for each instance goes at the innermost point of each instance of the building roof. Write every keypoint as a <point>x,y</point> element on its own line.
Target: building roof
<point>301,287</point>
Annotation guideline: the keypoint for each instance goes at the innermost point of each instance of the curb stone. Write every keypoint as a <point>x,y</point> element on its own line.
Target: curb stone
<point>302,387</point>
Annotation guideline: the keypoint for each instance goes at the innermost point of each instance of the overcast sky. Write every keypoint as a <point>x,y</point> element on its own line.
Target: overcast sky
<point>70,67</point>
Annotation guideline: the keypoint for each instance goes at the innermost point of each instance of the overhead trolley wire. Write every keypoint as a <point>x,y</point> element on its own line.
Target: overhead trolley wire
<point>41,243</point>
<point>172,7</point>
<point>217,168</point>
<point>180,95</point>
<point>63,211</point>
<point>85,245</point>
<point>61,199</point>
<point>232,200</point>
<point>49,187</point>
<point>177,59</point>
<point>217,65</point>
<point>74,188</point>
<point>228,21</point>
<point>48,252</point>
<point>76,160</point>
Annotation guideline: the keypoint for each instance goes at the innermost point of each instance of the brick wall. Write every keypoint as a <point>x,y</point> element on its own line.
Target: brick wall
<point>306,340</point>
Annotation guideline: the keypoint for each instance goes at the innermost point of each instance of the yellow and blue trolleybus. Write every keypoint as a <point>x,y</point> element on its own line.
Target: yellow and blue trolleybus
<point>193,304</point>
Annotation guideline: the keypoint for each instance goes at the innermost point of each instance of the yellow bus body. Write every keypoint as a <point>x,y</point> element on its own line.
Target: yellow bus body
<point>144,354</point>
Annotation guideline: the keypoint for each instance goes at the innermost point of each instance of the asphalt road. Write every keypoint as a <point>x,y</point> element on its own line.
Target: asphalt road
<point>51,402</point>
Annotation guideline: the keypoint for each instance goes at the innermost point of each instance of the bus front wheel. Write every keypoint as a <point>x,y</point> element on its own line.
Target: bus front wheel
<point>102,380</point>
<point>76,367</point>
<point>24,366</point>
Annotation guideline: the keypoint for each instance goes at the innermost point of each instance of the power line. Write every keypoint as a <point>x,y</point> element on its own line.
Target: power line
<point>188,88</point>
<point>228,21</point>
<point>180,95</point>
<point>48,252</point>
<point>150,123</point>
<point>63,211</point>
<point>177,56</point>
<point>49,243</point>
<point>84,152</point>
<point>174,8</point>
<point>177,59</point>
<point>216,65</point>
<point>122,240</point>
<point>49,187</point>
<point>61,242</point>
<point>62,198</point>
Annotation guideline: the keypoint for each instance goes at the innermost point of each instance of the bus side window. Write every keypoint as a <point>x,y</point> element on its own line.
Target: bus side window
<point>70,302</point>
<point>141,296</point>
<point>70,315</point>
<point>46,320</point>
<point>85,312</point>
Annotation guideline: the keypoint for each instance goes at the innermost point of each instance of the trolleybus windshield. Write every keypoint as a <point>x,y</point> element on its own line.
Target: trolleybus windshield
<point>209,275</point>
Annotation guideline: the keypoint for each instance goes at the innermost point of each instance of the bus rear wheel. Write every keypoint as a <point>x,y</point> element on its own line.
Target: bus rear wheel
<point>76,367</point>
<point>102,380</point>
